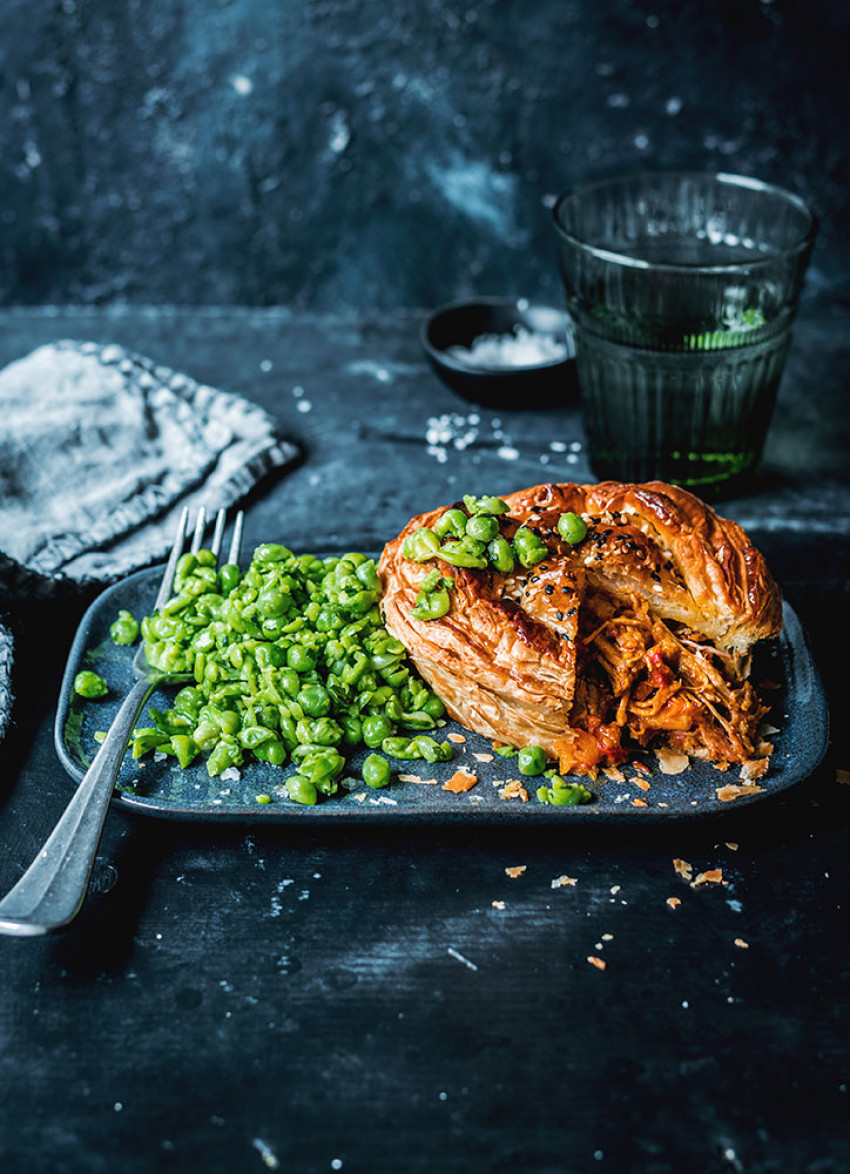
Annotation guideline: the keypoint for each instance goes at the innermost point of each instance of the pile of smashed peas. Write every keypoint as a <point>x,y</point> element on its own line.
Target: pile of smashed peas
<point>289,662</point>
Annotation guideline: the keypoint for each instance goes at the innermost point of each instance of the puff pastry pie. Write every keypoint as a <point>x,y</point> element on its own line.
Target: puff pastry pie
<point>636,636</point>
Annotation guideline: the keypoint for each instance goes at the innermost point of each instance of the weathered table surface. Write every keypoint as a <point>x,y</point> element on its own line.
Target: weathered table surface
<point>353,999</point>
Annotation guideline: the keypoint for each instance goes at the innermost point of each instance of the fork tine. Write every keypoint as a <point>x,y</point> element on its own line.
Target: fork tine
<point>200,526</point>
<point>170,566</point>
<point>236,540</point>
<point>218,533</point>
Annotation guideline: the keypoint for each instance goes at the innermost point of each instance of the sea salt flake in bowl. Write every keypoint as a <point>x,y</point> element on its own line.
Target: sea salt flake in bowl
<point>504,353</point>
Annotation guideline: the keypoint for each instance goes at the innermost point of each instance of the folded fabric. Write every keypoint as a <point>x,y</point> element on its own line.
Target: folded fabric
<point>100,450</point>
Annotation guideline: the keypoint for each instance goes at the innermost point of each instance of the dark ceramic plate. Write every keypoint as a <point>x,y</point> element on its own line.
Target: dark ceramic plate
<point>162,788</point>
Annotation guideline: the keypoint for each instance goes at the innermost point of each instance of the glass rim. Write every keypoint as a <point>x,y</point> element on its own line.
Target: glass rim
<point>721,177</point>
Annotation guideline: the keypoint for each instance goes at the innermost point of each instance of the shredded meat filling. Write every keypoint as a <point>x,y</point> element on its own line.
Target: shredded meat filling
<point>641,682</point>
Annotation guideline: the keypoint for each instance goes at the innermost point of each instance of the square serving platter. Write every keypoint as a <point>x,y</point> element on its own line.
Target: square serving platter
<point>159,787</point>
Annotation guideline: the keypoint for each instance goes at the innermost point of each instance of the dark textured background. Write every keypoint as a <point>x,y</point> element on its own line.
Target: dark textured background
<point>343,153</point>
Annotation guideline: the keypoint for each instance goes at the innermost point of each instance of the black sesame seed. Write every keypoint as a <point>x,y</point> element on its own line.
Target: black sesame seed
<point>559,615</point>
<point>548,588</point>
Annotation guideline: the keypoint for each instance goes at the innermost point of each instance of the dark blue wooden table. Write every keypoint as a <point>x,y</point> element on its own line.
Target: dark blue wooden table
<point>388,1000</point>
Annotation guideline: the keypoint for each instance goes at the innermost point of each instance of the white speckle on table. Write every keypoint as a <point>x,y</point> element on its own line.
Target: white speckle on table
<point>266,1153</point>
<point>266,366</point>
<point>242,84</point>
<point>507,452</point>
<point>557,446</point>
<point>673,105</point>
<point>231,775</point>
<point>336,1163</point>
<point>297,391</point>
<point>460,958</point>
<point>304,405</point>
<point>118,1106</point>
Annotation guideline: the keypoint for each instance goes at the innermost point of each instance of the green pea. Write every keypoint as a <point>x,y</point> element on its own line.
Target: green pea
<point>315,700</point>
<point>184,749</point>
<point>431,605</point>
<point>485,505</point>
<point>434,706</point>
<point>224,754</point>
<point>531,760</point>
<point>375,771</point>
<point>271,552</point>
<point>352,728</point>
<point>451,522</point>
<point>89,685</point>
<point>482,527</point>
<point>431,750</point>
<point>273,752</point>
<point>299,658</point>
<point>572,528</point>
<point>529,547</point>
<point>421,545</point>
<point>263,799</point>
<point>563,794</point>
<point>401,748</point>
<point>501,555</point>
<point>302,790</point>
<point>375,729</point>
<point>125,629</point>
<point>458,555</point>
<point>228,578</point>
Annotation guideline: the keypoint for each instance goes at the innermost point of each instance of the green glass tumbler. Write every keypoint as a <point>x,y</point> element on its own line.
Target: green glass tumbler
<point>682,289</point>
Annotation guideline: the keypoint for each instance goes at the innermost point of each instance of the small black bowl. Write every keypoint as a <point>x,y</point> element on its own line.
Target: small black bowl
<point>538,385</point>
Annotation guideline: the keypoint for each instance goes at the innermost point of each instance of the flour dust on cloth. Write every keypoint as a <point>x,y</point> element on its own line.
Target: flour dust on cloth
<point>100,449</point>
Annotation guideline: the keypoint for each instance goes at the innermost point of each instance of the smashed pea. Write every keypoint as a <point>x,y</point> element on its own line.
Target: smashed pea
<point>290,662</point>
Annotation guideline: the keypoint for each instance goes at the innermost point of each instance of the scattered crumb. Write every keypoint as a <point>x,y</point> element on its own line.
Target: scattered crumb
<point>614,890</point>
<point>731,845</point>
<point>764,749</point>
<point>597,962</point>
<point>460,781</point>
<point>614,774</point>
<point>498,904</point>
<point>514,790</point>
<point>460,958</point>
<point>232,774</point>
<point>674,902</point>
<point>516,870</point>
<point>384,801</point>
<point>607,937</point>
<point>683,868</point>
<point>642,783</point>
<point>483,757</point>
<point>560,881</point>
<point>642,767</point>
<point>670,762</point>
<point>753,769</point>
<point>663,804</point>
<point>768,684</point>
<point>417,779</point>
<point>736,790</point>
<point>765,729</point>
<point>741,944</point>
<point>456,737</point>
<point>843,776</point>
<point>359,796</point>
<point>713,876</point>
<point>639,803</point>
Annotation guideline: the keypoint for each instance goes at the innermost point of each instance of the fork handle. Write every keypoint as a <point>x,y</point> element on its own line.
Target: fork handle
<point>50,893</point>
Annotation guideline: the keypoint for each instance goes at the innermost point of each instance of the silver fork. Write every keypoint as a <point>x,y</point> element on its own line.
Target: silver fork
<point>51,892</point>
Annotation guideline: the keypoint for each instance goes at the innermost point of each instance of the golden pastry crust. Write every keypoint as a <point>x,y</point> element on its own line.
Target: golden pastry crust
<point>511,659</point>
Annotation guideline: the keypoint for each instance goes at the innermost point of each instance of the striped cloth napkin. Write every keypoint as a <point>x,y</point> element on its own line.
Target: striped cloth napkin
<point>100,449</point>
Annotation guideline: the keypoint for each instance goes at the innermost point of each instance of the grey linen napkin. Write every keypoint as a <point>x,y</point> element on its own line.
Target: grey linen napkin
<point>100,449</point>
